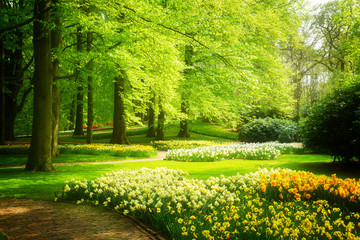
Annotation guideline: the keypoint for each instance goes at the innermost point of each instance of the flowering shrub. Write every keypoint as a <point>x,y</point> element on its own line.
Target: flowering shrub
<point>219,208</point>
<point>176,144</point>
<point>14,149</point>
<point>109,149</point>
<point>95,149</point>
<point>215,153</point>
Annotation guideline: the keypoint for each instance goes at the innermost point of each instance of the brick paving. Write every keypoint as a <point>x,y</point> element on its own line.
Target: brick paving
<point>28,219</point>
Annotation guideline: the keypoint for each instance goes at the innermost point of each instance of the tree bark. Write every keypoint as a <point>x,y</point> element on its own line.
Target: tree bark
<point>160,134</point>
<point>90,115</point>
<point>40,148</point>
<point>184,123</point>
<point>185,105</point>
<point>2,91</point>
<point>152,119</point>
<point>56,42</point>
<point>80,95</point>
<point>119,129</point>
<point>72,113</point>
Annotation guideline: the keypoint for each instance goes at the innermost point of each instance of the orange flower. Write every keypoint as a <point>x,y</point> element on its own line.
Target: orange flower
<point>294,191</point>
<point>297,196</point>
<point>352,198</point>
<point>273,183</point>
<point>326,186</point>
<point>307,187</point>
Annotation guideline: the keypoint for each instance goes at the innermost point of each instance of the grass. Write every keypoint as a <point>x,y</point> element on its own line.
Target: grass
<point>206,128</point>
<point>15,182</point>
<point>211,133</point>
<point>21,159</point>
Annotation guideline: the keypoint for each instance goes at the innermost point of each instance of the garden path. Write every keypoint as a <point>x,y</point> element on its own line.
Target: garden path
<point>28,219</point>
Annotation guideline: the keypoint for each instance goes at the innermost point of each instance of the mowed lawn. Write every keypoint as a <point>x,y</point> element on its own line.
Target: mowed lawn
<point>15,182</point>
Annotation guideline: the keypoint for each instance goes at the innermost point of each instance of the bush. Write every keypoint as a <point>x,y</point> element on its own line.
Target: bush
<point>333,124</point>
<point>268,129</point>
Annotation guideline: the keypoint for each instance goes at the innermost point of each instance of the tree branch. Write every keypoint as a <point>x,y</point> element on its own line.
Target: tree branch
<point>23,99</point>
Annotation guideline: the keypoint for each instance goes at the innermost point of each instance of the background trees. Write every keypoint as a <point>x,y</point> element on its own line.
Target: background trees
<point>225,60</point>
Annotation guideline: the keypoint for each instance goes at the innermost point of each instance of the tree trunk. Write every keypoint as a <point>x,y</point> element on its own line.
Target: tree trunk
<point>80,95</point>
<point>72,113</point>
<point>184,123</point>
<point>161,126</point>
<point>90,115</point>
<point>119,129</point>
<point>10,113</point>
<point>56,41</point>
<point>40,148</point>
<point>185,105</point>
<point>152,119</point>
<point>2,91</point>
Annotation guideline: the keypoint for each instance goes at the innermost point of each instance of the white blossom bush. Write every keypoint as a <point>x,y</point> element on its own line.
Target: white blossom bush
<point>215,153</point>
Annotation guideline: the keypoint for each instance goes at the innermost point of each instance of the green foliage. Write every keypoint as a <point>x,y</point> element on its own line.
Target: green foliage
<point>268,129</point>
<point>333,124</point>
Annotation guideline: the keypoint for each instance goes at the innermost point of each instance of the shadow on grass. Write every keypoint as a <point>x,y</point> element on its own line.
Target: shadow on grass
<point>342,170</point>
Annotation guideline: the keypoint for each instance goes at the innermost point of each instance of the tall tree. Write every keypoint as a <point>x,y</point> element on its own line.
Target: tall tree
<point>56,42</point>
<point>119,125</point>
<point>2,88</point>
<point>90,100</point>
<point>80,94</point>
<point>185,105</point>
<point>40,148</point>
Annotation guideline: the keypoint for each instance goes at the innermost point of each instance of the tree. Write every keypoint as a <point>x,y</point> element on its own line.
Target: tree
<point>333,124</point>
<point>14,62</point>
<point>40,148</point>
<point>56,42</point>
<point>119,126</point>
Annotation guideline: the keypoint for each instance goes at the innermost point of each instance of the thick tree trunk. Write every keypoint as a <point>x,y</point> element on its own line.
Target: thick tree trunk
<point>184,123</point>
<point>90,115</point>
<point>160,134</point>
<point>56,41</point>
<point>152,119</point>
<point>119,129</point>
<point>80,95</point>
<point>40,148</point>
<point>2,91</point>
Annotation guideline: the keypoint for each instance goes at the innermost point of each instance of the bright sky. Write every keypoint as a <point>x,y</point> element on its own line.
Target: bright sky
<point>315,2</point>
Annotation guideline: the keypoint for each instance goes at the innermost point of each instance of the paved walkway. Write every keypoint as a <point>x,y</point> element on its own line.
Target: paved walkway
<point>28,219</point>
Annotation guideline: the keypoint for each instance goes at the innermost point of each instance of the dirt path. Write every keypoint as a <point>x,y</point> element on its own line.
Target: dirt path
<point>28,219</point>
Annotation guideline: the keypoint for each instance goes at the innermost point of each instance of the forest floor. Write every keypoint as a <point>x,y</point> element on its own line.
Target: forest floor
<point>44,219</point>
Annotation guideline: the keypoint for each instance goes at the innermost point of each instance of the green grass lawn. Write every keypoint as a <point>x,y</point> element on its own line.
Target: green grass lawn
<point>171,131</point>
<point>15,182</point>
<point>21,159</point>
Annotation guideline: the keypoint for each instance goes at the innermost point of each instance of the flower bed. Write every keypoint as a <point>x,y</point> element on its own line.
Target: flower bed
<point>238,207</point>
<point>109,149</point>
<point>94,149</point>
<point>215,153</point>
<point>177,144</point>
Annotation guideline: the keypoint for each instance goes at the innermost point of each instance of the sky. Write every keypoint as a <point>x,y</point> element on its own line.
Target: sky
<point>315,2</point>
